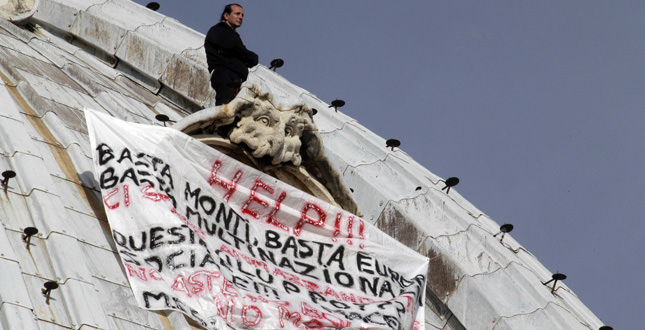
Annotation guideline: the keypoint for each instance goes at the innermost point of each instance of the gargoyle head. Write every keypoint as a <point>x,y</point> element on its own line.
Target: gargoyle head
<point>286,136</point>
<point>266,129</point>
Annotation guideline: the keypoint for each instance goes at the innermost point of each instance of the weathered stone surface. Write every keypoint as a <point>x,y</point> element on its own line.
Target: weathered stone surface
<point>17,10</point>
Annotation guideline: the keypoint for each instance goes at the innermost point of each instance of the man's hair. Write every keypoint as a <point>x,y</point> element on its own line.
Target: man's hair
<point>228,10</point>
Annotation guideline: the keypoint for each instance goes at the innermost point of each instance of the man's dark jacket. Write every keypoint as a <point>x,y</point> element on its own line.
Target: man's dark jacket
<point>224,48</point>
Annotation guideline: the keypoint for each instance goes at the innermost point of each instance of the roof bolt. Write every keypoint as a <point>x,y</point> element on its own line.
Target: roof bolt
<point>503,229</point>
<point>49,286</point>
<point>163,118</point>
<point>450,182</point>
<point>418,188</point>
<point>154,6</point>
<point>278,62</point>
<point>392,143</point>
<point>8,174</point>
<point>337,104</point>
<point>555,278</point>
<point>29,231</point>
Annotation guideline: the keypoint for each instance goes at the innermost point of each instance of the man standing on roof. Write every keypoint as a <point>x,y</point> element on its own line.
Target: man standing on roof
<point>227,57</point>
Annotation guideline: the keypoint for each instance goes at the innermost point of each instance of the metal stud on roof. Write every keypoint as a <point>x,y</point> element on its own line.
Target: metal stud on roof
<point>450,182</point>
<point>28,232</point>
<point>8,174</point>
<point>392,143</point>
<point>555,278</point>
<point>337,104</point>
<point>153,6</point>
<point>503,229</point>
<point>278,62</point>
<point>49,286</point>
<point>163,118</point>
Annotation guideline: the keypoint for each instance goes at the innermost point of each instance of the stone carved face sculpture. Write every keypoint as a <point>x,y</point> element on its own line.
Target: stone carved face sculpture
<point>268,131</point>
<point>284,136</point>
<point>271,132</point>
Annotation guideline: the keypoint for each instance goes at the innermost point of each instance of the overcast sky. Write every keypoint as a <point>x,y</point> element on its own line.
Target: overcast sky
<point>537,106</point>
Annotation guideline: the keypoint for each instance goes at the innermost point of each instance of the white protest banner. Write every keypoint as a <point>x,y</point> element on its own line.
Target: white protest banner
<point>232,247</point>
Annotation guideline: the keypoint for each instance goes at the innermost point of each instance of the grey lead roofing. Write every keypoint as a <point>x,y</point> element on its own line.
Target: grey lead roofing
<point>109,56</point>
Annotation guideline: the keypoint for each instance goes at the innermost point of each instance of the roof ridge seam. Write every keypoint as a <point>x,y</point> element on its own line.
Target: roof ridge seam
<point>63,147</point>
<point>105,279</point>
<point>555,303</point>
<point>14,304</point>
<point>116,316</point>
<point>459,232</point>
<point>337,128</point>
<point>20,152</point>
<point>3,257</point>
<point>68,180</point>
<point>64,281</point>
<point>534,272</point>
<point>81,212</point>
<point>32,191</point>
<point>59,145</point>
<point>94,5</point>
<point>464,276</point>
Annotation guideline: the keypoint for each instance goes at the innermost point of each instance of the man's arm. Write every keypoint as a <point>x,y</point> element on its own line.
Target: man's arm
<point>251,58</point>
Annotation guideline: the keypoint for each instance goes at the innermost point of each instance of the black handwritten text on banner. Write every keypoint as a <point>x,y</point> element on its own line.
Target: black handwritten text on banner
<point>203,234</point>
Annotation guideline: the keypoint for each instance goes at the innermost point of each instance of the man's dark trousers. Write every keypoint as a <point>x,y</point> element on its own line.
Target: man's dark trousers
<point>226,84</point>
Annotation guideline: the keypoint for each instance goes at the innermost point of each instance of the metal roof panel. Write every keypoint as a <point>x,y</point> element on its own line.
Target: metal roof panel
<point>10,109</point>
<point>43,149</point>
<point>20,47</point>
<point>6,249</point>
<point>91,81</point>
<point>325,119</point>
<point>92,231</point>
<point>47,213</point>
<point>55,311</point>
<point>63,134</point>
<point>118,302</point>
<point>14,212</point>
<point>118,323</point>
<point>105,265</point>
<point>35,260</point>
<point>51,52</point>
<point>124,107</point>
<point>30,173</point>
<point>172,113</point>
<point>350,137</point>
<point>137,90</point>
<point>37,67</point>
<point>552,315</point>
<point>44,325</point>
<point>13,137</point>
<point>67,258</point>
<point>84,304</point>
<point>71,196</point>
<point>16,317</point>
<point>52,90</point>
<point>12,288</point>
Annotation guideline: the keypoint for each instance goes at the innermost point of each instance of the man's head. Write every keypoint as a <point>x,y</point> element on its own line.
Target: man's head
<point>233,15</point>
